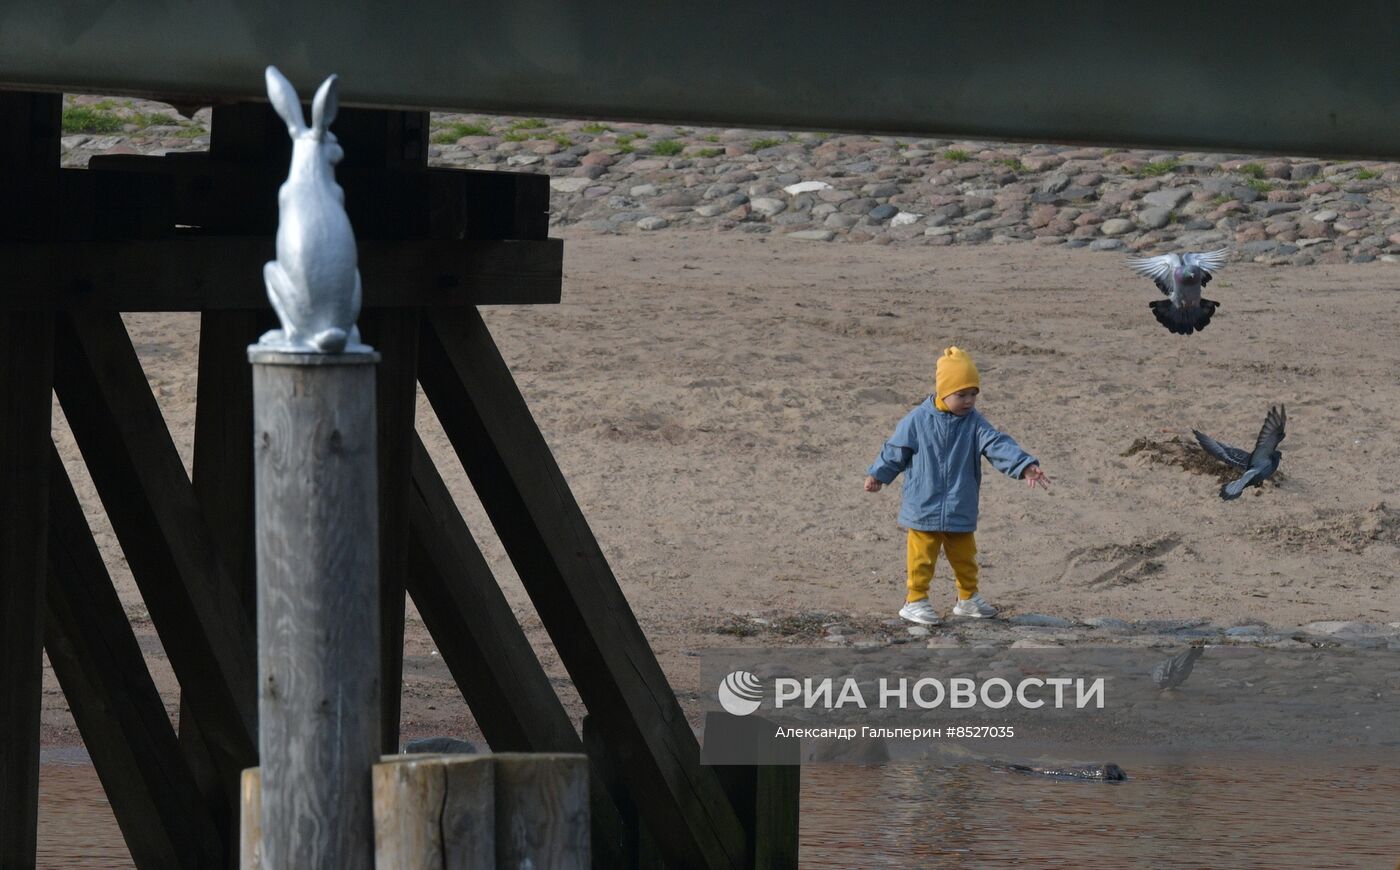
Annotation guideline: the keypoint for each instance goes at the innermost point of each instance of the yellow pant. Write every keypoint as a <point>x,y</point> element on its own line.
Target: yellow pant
<point>961,548</point>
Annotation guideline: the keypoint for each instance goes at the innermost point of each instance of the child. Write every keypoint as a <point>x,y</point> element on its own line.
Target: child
<point>937,446</point>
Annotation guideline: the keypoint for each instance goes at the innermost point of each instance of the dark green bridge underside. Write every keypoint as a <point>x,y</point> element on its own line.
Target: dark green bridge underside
<point>1281,77</point>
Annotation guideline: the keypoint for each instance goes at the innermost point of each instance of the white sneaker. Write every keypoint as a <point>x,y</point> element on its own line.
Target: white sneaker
<point>921,612</point>
<point>976,607</point>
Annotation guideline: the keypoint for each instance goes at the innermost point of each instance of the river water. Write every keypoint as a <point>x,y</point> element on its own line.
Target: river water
<point>1197,812</point>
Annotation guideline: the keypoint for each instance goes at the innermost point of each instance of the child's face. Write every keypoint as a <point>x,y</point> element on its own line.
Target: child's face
<point>961,402</point>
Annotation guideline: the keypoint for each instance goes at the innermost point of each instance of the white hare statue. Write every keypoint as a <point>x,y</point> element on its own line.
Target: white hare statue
<point>314,285</point>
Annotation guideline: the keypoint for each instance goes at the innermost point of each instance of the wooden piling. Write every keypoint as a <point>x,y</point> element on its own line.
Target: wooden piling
<point>434,812</point>
<point>26,373</point>
<point>318,610</point>
<point>542,810</point>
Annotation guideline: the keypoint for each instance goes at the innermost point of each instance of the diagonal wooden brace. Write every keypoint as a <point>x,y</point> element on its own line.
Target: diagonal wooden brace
<point>151,504</point>
<point>482,644</point>
<point>574,591</point>
<point>114,701</point>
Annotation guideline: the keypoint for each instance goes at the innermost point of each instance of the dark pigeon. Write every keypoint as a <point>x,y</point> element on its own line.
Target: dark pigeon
<point>1180,277</point>
<point>1172,672</point>
<point>1258,466</point>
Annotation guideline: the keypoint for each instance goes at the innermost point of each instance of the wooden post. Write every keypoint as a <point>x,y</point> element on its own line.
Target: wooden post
<point>395,333</point>
<point>542,810</point>
<point>30,127</point>
<point>628,841</point>
<point>26,372</point>
<point>318,608</point>
<point>435,812</point>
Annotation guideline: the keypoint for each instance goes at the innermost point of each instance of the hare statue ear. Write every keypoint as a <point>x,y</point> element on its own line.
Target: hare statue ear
<point>284,99</point>
<point>324,106</point>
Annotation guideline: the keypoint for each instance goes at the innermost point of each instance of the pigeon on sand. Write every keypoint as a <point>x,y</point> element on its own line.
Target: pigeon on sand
<point>1258,466</point>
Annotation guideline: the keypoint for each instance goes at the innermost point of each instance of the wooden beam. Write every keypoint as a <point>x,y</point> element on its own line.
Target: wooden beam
<point>225,272</point>
<point>575,592</point>
<point>224,197</point>
<point>252,133</point>
<point>29,172</point>
<point>223,484</point>
<point>486,651</point>
<point>162,531</point>
<point>26,399</point>
<point>632,842</point>
<point>474,628</point>
<point>223,442</point>
<point>30,127</point>
<point>394,333</point>
<point>114,701</point>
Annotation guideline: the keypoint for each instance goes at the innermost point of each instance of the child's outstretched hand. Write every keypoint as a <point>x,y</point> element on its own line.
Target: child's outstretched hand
<point>871,484</point>
<point>1033,475</point>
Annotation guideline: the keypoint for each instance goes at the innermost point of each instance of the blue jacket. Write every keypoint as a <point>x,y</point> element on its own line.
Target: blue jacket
<point>939,452</point>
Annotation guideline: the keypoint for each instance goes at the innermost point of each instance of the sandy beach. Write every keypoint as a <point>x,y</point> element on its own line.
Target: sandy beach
<point>714,400</point>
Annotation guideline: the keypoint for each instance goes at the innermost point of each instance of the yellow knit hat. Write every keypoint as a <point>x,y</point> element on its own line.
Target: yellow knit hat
<point>955,371</point>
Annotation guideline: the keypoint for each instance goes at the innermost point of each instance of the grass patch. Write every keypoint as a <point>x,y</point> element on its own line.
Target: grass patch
<point>449,134</point>
<point>710,137</point>
<point>957,155</point>
<point>561,140</point>
<point>152,119</point>
<point>1259,184</point>
<point>1220,199</point>
<point>89,119</point>
<point>709,152</point>
<point>515,136</point>
<point>1366,174</point>
<point>1253,170</point>
<point>192,132</point>
<point>528,124</point>
<point>760,144</point>
<point>667,147</point>
<point>626,148</point>
<point>1013,163</point>
<point>1160,167</point>
<point>593,128</point>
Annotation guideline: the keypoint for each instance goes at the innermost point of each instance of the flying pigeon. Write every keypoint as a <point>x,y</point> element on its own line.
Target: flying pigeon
<point>1258,466</point>
<point>1180,277</point>
<point>1172,672</point>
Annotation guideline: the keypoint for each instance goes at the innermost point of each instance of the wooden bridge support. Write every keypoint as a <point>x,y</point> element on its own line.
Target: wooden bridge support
<point>575,593</point>
<point>28,146</point>
<point>114,701</point>
<point>433,245</point>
